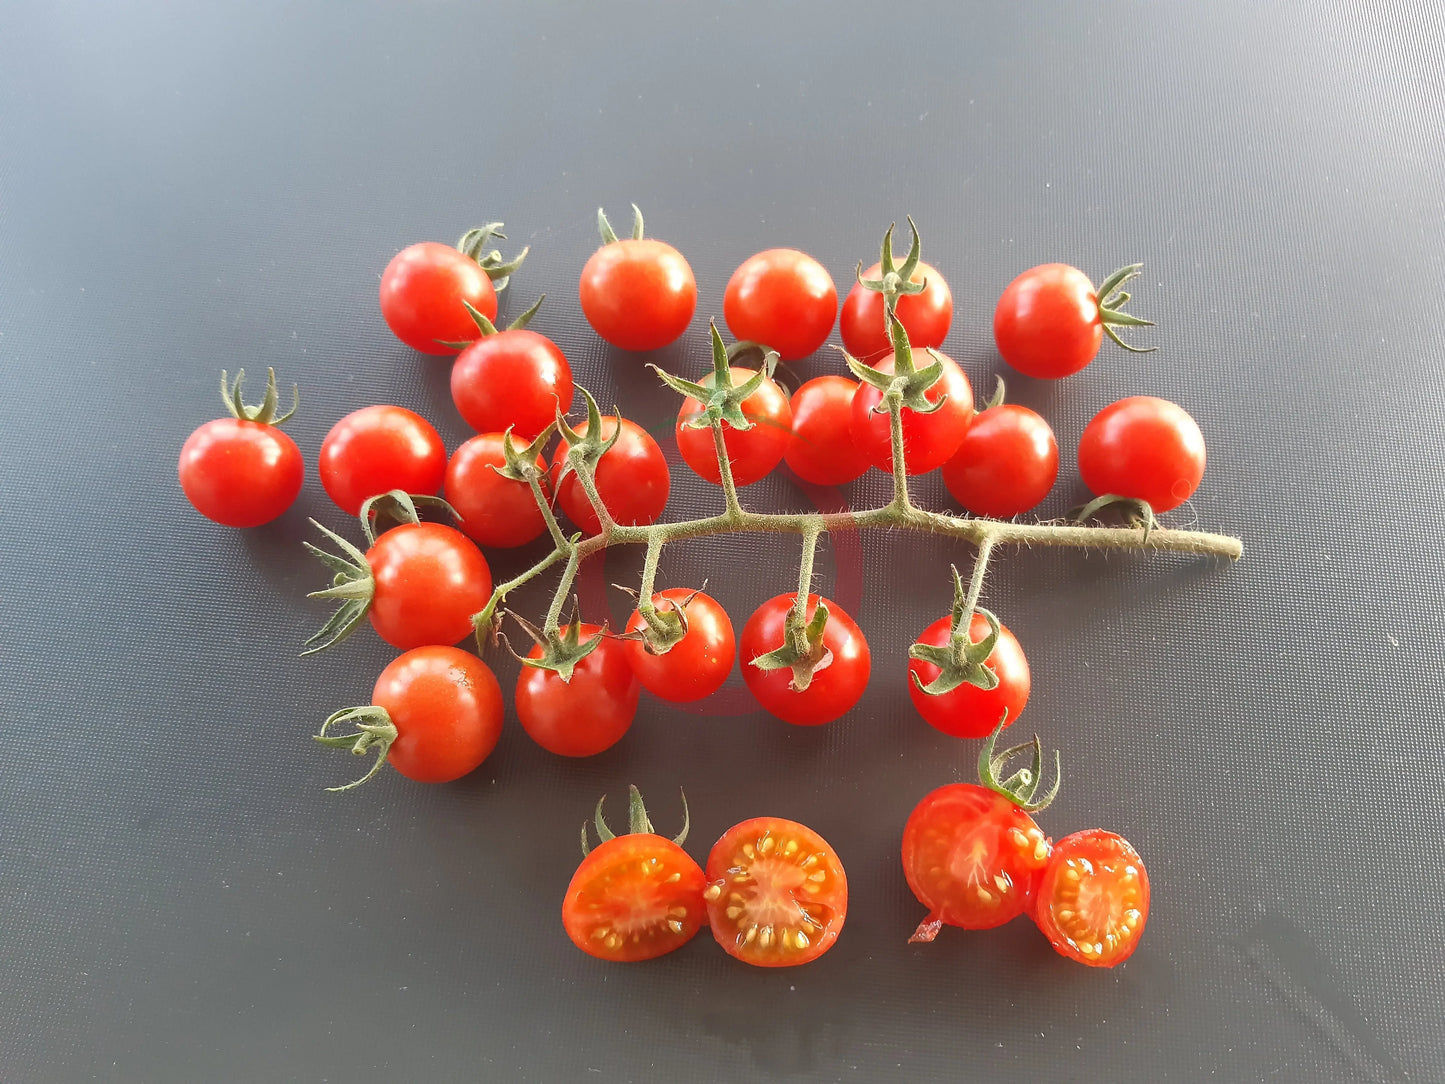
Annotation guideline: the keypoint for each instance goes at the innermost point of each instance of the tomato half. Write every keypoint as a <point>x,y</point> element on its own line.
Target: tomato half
<point>1047,323</point>
<point>970,711</point>
<point>754,452</point>
<point>429,581</point>
<point>1006,464</point>
<point>777,894</point>
<point>1093,900</point>
<point>929,440</point>
<point>822,450</point>
<point>584,716</point>
<point>515,378</point>
<point>495,511</point>
<point>635,897</point>
<point>638,294</point>
<point>446,706</point>
<point>422,293</point>
<point>698,664</point>
<point>925,316</point>
<point>783,299</point>
<point>377,449</point>
<point>632,479</point>
<point>1143,447</point>
<point>834,689</point>
<point>240,473</point>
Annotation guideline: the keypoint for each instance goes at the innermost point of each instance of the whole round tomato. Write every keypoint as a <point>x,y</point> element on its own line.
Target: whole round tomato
<point>776,894</point>
<point>1093,899</point>
<point>422,290</point>
<point>240,473</point>
<point>631,477</point>
<point>429,581</point>
<point>1142,447</point>
<point>584,716</point>
<point>821,449</point>
<point>925,316</point>
<point>1047,322</point>
<point>929,440</point>
<point>969,711</point>
<point>698,664</point>
<point>495,511</point>
<point>514,379</point>
<point>638,294</point>
<point>377,449</point>
<point>783,299</point>
<point>446,706</point>
<point>835,688</point>
<point>972,857</point>
<point>754,452</point>
<point>634,897</point>
<point>1006,464</point>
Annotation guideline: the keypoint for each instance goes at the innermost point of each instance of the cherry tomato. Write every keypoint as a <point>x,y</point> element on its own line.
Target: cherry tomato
<point>1145,448</point>
<point>240,473</point>
<point>429,581</point>
<point>422,291</point>
<point>926,316</point>
<point>515,378</point>
<point>972,857</point>
<point>446,706</point>
<point>1093,900</point>
<point>638,294</point>
<point>495,511</point>
<point>929,440</point>
<point>1006,465</point>
<point>632,480</point>
<point>1047,322</point>
<point>777,894</point>
<point>821,449</point>
<point>590,713</point>
<point>698,664</point>
<point>781,298</point>
<point>634,897</point>
<point>377,449</point>
<point>752,452</point>
<point>834,689</point>
<point>969,711</point>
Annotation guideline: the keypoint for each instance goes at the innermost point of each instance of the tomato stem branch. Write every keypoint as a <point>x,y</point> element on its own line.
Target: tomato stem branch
<point>805,576</point>
<point>725,470</point>
<point>975,583</point>
<point>895,436</point>
<point>546,509</point>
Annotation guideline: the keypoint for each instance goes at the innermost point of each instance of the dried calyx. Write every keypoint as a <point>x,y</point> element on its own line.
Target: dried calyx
<point>562,648</point>
<point>374,730</point>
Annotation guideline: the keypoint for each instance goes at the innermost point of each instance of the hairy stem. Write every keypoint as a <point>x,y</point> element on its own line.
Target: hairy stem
<point>588,481</point>
<point>900,468</point>
<point>725,469</point>
<point>805,576</point>
<point>975,584</point>
<point>564,585</point>
<point>546,509</point>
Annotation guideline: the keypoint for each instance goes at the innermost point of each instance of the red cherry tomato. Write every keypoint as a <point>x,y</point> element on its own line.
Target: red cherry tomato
<point>240,473</point>
<point>377,449</point>
<point>926,316</point>
<point>638,294</point>
<point>698,664</point>
<point>1047,322</point>
<point>422,291</point>
<point>495,511</point>
<point>970,711</point>
<point>929,440</point>
<point>1006,465</point>
<point>972,857</point>
<point>753,452</point>
<point>777,894</point>
<point>632,480</point>
<point>515,378</point>
<point>834,689</point>
<point>1093,900</point>
<point>429,581</point>
<point>781,298</point>
<point>821,449</point>
<point>1145,448</point>
<point>634,897</point>
<point>446,706</point>
<point>584,716</point>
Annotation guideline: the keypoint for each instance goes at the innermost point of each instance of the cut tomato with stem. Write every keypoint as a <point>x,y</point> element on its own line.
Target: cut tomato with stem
<point>1093,899</point>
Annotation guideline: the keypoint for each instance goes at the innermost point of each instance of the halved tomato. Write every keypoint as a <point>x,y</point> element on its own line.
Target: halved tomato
<point>1093,900</point>
<point>634,897</point>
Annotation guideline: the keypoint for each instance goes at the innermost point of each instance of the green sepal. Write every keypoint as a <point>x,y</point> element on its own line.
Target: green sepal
<point>374,730</point>
<point>1142,509</point>
<point>722,402</point>
<point>638,822</point>
<point>562,649</point>
<point>352,584</point>
<point>802,650</point>
<point>265,413</point>
<point>996,399</point>
<point>474,243</point>
<point>1112,300</point>
<point>400,507</point>
<point>521,465</point>
<point>609,235</point>
<point>662,629</point>
<point>961,660</point>
<point>894,281</point>
<point>485,327</point>
<point>1022,787</point>
<point>906,385</point>
<point>588,447</point>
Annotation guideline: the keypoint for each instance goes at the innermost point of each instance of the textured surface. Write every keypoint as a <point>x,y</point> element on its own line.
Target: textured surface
<point>184,189</point>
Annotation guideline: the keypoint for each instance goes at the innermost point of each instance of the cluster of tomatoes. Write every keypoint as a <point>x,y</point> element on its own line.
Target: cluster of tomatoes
<point>774,892</point>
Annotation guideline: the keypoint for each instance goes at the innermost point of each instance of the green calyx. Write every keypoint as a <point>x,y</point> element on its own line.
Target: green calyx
<point>384,511</point>
<point>895,281</point>
<point>374,730</point>
<point>485,328</point>
<point>609,235</point>
<point>1021,787</point>
<point>664,620</point>
<point>961,660</point>
<point>265,412</point>
<point>1138,512</point>
<point>803,650</point>
<point>722,402</point>
<point>905,386</point>
<point>996,399</point>
<point>638,822</point>
<point>352,586</point>
<point>585,450</point>
<point>474,245</point>
<point>562,649</point>
<point>521,464</point>
<point>1112,300</point>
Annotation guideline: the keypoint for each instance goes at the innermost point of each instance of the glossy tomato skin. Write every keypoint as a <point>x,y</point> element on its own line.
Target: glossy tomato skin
<point>1093,899</point>
<point>634,897</point>
<point>377,449</point>
<point>495,511</point>
<point>422,290</point>
<point>753,452</point>
<point>240,473</point>
<point>590,713</point>
<point>972,857</point>
<point>515,378</point>
<point>1143,447</point>
<point>638,294</point>
<point>834,689</point>
<point>777,895</point>
<point>447,709</point>
<point>429,581</point>
<point>781,298</point>
<point>632,480</point>
<point>1047,323</point>
<point>926,317</point>
<point>698,664</point>
<point>822,450</point>
<point>929,440</point>
<point>969,711</point>
<point>1006,465</point>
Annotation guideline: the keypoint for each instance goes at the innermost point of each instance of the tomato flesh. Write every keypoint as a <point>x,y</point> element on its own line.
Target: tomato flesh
<point>635,897</point>
<point>1093,900</point>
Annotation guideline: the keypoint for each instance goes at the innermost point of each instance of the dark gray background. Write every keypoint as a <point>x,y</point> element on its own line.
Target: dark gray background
<point>186,188</point>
